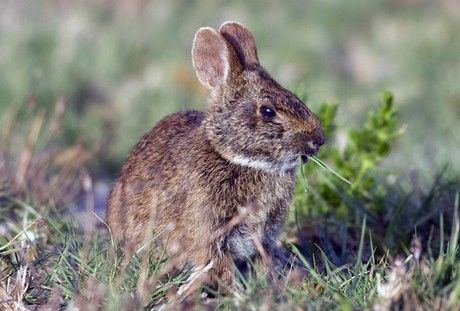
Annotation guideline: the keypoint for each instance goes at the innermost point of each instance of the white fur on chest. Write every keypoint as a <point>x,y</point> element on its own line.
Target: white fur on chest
<point>272,200</point>
<point>240,243</point>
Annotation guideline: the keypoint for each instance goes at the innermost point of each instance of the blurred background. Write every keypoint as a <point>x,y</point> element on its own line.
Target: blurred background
<point>114,68</point>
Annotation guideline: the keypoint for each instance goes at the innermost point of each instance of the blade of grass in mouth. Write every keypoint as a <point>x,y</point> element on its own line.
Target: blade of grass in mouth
<point>327,168</point>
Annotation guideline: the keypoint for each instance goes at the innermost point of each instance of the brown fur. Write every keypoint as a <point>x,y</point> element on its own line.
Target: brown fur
<point>194,172</point>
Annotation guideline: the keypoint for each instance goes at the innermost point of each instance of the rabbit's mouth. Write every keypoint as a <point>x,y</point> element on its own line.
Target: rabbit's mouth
<point>304,158</point>
<point>311,149</point>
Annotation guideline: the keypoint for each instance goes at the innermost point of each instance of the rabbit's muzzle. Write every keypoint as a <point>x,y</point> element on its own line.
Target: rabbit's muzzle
<point>310,143</point>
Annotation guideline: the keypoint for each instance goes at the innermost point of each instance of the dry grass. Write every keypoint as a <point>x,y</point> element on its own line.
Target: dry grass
<point>32,165</point>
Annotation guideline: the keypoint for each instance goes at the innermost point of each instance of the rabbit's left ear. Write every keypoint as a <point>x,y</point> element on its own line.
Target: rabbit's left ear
<point>242,41</point>
<point>214,59</point>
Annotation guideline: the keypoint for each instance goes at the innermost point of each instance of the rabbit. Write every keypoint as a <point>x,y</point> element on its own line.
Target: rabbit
<point>213,188</point>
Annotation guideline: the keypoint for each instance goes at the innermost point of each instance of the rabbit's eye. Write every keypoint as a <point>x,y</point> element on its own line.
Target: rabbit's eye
<point>267,112</point>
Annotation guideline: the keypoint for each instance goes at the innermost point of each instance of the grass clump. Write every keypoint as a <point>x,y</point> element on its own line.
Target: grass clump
<point>93,273</point>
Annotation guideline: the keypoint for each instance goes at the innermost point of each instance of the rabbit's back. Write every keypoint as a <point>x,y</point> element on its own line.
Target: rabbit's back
<point>152,174</point>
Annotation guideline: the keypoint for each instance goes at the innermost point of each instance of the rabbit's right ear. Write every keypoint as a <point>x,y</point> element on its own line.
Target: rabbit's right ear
<point>213,58</point>
<point>242,41</point>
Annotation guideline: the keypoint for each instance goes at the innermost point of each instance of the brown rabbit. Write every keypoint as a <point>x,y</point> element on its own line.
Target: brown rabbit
<point>187,181</point>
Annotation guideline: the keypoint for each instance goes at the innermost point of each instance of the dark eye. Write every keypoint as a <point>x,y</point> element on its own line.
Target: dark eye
<point>267,112</point>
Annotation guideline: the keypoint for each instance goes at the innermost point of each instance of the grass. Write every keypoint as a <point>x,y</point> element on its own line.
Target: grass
<point>326,167</point>
<point>403,254</point>
<point>52,262</point>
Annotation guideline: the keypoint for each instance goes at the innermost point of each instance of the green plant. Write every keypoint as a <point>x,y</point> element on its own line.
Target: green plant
<point>357,161</point>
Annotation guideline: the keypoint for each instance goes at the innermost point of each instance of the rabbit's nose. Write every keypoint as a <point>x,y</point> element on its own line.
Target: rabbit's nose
<point>312,148</point>
<point>312,142</point>
<point>318,136</point>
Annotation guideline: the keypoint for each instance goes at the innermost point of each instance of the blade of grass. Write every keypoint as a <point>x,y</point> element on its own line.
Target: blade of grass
<point>302,171</point>
<point>453,244</point>
<point>328,168</point>
<point>441,235</point>
<point>361,243</point>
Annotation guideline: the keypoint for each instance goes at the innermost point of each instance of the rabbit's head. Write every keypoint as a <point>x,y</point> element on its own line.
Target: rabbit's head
<point>252,120</point>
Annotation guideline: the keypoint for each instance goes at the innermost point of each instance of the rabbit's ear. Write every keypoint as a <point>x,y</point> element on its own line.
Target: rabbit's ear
<point>213,58</point>
<point>241,39</point>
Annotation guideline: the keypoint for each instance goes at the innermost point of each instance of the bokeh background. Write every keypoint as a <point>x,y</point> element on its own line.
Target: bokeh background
<point>119,66</point>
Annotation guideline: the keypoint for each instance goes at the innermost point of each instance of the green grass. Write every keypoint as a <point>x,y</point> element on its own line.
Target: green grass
<point>63,264</point>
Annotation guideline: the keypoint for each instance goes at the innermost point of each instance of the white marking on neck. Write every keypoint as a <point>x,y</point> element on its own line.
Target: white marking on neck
<point>253,163</point>
<point>262,165</point>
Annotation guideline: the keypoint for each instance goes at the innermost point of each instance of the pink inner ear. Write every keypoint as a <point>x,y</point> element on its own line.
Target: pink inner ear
<point>210,57</point>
